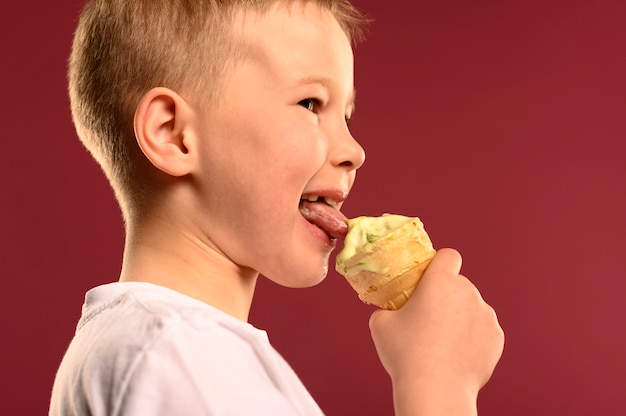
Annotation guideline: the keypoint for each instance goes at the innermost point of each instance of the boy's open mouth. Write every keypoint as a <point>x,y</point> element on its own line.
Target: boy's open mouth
<point>323,213</point>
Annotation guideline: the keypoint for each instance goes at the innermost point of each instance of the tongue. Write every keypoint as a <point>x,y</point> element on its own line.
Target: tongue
<point>326,217</point>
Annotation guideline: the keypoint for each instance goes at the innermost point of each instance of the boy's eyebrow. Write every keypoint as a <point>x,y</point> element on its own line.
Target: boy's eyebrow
<point>326,83</point>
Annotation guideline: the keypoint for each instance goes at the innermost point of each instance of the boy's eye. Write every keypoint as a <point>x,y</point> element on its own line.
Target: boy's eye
<point>309,103</point>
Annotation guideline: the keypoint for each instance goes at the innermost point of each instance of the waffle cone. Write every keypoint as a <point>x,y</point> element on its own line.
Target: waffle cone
<point>389,291</point>
<point>389,269</point>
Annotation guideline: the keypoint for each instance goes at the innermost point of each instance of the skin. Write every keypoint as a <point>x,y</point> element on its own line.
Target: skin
<point>225,196</point>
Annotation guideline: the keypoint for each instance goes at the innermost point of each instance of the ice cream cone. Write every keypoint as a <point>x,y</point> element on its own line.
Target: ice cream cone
<point>385,272</point>
<point>388,291</point>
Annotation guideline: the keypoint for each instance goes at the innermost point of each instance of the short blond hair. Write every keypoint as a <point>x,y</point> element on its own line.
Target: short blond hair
<point>124,48</point>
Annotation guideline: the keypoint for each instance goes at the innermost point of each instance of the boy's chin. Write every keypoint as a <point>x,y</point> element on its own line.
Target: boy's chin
<point>301,278</point>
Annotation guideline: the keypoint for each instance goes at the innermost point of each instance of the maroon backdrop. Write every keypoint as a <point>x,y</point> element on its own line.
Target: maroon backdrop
<point>501,124</point>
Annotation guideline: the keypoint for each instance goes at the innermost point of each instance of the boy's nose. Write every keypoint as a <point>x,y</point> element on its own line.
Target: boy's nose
<point>348,152</point>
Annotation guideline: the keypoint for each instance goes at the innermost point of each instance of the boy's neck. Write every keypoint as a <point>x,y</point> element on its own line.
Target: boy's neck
<point>164,253</point>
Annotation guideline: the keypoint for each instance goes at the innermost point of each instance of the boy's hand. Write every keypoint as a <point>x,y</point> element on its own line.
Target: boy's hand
<point>442,346</point>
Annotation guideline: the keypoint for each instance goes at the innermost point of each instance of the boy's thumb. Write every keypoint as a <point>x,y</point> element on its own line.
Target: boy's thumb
<point>446,261</point>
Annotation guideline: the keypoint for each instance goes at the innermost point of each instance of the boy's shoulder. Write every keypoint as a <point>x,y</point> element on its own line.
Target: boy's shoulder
<point>135,340</point>
<point>139,316</point>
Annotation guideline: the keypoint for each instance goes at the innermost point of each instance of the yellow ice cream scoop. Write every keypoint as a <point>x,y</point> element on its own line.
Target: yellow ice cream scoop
<point>383,258</point>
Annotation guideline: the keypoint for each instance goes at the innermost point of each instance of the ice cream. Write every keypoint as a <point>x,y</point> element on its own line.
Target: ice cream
<point>383,258</point>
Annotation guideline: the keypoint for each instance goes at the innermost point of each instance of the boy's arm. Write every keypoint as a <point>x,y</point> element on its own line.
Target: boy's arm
<point>442,346</point>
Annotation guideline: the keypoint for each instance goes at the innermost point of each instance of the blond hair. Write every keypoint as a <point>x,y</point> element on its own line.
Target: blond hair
<point>124,48</point>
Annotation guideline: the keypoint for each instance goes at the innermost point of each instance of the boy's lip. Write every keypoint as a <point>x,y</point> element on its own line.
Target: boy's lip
<point>333,197</point>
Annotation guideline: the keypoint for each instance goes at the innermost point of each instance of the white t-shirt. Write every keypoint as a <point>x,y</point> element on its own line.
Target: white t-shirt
<point>142,349</point>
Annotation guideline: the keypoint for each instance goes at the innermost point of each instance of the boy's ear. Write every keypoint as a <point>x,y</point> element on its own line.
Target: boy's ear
<point>163,131</point>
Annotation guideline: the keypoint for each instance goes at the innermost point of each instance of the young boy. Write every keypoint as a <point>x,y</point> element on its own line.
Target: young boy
<point>213,120</point>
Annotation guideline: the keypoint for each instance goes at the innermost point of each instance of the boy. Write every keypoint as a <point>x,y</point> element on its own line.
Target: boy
<point>213,121</point>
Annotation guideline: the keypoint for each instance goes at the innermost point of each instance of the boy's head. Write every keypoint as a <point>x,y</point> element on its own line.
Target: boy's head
<point>124,48</point>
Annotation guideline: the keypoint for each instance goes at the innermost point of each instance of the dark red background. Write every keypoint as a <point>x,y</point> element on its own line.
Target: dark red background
<point>501,123</point>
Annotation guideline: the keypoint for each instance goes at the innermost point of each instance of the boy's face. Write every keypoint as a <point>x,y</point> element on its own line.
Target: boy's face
<point>279,134</point>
